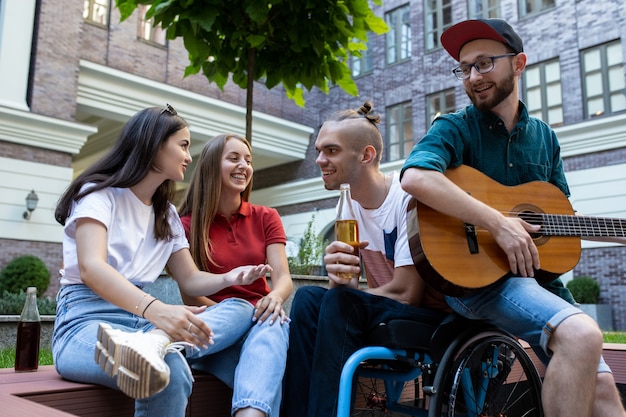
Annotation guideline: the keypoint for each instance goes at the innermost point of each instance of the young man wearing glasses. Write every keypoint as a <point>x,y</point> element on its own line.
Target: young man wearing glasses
<point>497,136</point>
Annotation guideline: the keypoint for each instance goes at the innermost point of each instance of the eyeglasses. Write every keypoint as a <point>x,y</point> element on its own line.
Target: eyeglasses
<point>169,109</point>
<point>483,66</point>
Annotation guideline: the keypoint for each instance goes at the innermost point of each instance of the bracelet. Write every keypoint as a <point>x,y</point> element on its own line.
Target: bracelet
<point>139,302</point>
<point>148,305</point>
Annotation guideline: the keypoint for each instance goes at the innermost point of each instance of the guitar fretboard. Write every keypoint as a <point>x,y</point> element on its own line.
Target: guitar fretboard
<point>568,225</point>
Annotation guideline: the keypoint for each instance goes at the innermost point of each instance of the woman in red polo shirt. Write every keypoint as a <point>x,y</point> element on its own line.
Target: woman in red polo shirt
<point>224,230</point>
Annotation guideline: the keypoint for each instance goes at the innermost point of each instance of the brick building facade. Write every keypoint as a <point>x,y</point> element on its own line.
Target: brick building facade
<point>63,101</point>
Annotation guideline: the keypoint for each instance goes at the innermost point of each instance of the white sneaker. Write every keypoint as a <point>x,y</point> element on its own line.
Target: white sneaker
<point>136,358</point>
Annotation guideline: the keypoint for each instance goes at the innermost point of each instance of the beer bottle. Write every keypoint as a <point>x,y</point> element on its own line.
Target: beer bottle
<point>346,227</point>
<point>28,334</point>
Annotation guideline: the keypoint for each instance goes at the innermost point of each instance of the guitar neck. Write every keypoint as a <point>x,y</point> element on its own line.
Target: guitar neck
<point>568,225</point>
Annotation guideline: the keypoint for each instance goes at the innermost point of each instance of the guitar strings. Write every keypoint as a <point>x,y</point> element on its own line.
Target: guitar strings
<point>573,225</point>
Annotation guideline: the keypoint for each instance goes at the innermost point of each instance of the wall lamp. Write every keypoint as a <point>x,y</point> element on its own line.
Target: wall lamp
<point>31,204</point>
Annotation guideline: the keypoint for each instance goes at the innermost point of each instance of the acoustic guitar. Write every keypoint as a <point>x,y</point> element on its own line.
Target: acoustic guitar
<point>456,258</point>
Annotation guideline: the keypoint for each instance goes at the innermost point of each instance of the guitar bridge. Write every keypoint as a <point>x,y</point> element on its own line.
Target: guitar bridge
<point>472,240</point>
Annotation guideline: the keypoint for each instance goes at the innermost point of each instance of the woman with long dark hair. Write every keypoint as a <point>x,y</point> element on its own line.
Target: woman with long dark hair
<point>120,232</point>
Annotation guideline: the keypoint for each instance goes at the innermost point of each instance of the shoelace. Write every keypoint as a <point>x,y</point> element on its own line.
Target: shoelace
<point>178,347</point>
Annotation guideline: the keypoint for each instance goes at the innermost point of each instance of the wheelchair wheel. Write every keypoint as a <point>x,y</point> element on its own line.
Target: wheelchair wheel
<point>371,399</point>
<point>490,377</point>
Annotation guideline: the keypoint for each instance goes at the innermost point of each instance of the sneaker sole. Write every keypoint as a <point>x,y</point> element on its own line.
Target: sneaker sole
<point>136,377</point>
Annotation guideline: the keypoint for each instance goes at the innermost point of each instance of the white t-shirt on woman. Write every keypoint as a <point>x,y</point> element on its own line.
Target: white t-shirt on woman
<point>132,248</point>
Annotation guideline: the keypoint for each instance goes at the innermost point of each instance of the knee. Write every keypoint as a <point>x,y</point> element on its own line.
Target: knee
<point>579,333</point>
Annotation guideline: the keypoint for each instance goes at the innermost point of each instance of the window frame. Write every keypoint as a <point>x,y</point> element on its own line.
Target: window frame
<point>538,6</point>
<point>365,62</point>
<point>604,71</point>
<point>89,11</point>
<point>157,35</point>
<point>443,19</point>
<point>441,96</point>
<point>486,11</point>
<point>399,28</point>
<point>397,130</point>
<point>545,109</point>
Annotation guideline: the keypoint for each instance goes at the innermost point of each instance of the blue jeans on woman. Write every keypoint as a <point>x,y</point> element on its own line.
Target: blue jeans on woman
<point>253,367</point>
<point>327,326</point>
<point>79,312</point>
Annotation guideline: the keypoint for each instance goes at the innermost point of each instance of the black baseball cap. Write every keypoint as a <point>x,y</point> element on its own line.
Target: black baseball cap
<point>455,37</point>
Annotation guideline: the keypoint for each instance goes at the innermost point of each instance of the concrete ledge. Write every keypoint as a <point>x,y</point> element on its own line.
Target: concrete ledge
<point>8,331</point>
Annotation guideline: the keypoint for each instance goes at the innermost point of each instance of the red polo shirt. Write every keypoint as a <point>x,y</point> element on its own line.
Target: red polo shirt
<point>243,241</point>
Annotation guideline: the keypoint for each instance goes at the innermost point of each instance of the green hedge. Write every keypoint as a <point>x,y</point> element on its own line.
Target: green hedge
<point>12,304</point>
<point>23,272</point>
<point>585,290</point>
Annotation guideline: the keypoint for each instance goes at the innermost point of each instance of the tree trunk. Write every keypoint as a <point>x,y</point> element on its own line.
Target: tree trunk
<point>249,93</point>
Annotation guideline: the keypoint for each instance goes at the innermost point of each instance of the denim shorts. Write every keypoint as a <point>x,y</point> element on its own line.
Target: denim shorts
<point>523,308</point>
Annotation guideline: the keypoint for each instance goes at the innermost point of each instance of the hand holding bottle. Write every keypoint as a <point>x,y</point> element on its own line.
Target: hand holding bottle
<point>342,260</point>
<point>346,227</point>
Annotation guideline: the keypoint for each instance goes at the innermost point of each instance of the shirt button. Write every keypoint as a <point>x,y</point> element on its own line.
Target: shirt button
<point>510,164</point>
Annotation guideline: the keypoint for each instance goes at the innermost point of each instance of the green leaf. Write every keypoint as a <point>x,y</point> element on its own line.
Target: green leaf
<point>255,40</point>
<point>300,45</point>
<point>258,11</point>
<point>127,7</point>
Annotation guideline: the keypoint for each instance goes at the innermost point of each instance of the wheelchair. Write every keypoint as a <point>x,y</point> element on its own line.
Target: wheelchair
<point>451,367</point>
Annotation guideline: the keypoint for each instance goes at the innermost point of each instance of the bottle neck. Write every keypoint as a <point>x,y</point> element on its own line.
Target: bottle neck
<point>30,312</point>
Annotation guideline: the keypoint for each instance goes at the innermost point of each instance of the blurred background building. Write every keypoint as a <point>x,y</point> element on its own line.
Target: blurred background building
<point>71,75</point>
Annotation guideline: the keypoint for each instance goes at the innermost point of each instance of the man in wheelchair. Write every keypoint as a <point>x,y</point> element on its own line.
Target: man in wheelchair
<point>496,136</point>
<point>328,325</point>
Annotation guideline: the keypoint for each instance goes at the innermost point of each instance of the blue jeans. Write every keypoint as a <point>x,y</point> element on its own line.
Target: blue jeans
<point>253,367</point>
<point>327,326</point>
<point>523,308</point>
<point>79,312</point>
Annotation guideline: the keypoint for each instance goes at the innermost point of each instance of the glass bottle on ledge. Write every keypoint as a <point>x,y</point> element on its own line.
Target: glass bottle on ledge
<point>28,334</point>
<point>346,226</point>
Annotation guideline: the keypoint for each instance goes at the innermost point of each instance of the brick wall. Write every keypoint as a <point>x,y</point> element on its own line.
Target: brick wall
<point>606,265</point>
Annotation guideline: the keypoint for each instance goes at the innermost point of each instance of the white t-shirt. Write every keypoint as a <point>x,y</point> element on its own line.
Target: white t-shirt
<point>385,230</point>
<point>132,248</point>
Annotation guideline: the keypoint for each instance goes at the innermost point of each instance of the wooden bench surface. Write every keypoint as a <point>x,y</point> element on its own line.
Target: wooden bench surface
<point>45,394</point>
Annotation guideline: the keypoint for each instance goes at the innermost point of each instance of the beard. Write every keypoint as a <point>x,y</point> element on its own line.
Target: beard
<point>500,92</point>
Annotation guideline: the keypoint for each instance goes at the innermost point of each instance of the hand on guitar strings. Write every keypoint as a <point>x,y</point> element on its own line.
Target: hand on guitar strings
<point>513,236</point>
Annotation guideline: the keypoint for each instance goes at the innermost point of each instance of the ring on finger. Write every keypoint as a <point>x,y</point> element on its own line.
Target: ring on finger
<point>189,328</point>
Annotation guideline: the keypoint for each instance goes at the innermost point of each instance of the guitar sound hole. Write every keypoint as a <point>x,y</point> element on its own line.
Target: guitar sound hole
<point>536,218</point>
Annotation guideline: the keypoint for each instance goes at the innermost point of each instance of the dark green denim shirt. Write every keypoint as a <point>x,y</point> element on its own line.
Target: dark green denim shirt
<point>531,152</point>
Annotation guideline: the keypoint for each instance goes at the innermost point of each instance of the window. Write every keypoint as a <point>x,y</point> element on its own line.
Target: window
<point>399,35</point>
<point>147,30</point>
<point>603,80</point>
<point>440,103</point>
<point>542,92</point>
<point>399,137</point>
<point>528,7</point>
<point>96,11</point>
<point>362,65</point>
<point>438,15</point>
<point>484,9</point>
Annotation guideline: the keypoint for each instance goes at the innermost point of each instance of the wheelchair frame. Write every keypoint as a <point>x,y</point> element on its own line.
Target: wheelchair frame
<point>463,365</point>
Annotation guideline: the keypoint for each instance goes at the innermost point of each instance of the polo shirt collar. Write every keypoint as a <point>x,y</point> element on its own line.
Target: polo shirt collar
<point>245,208</point>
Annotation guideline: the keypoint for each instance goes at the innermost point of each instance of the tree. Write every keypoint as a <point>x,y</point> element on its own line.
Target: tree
<point>310,251</point>
<point>296,43</point>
